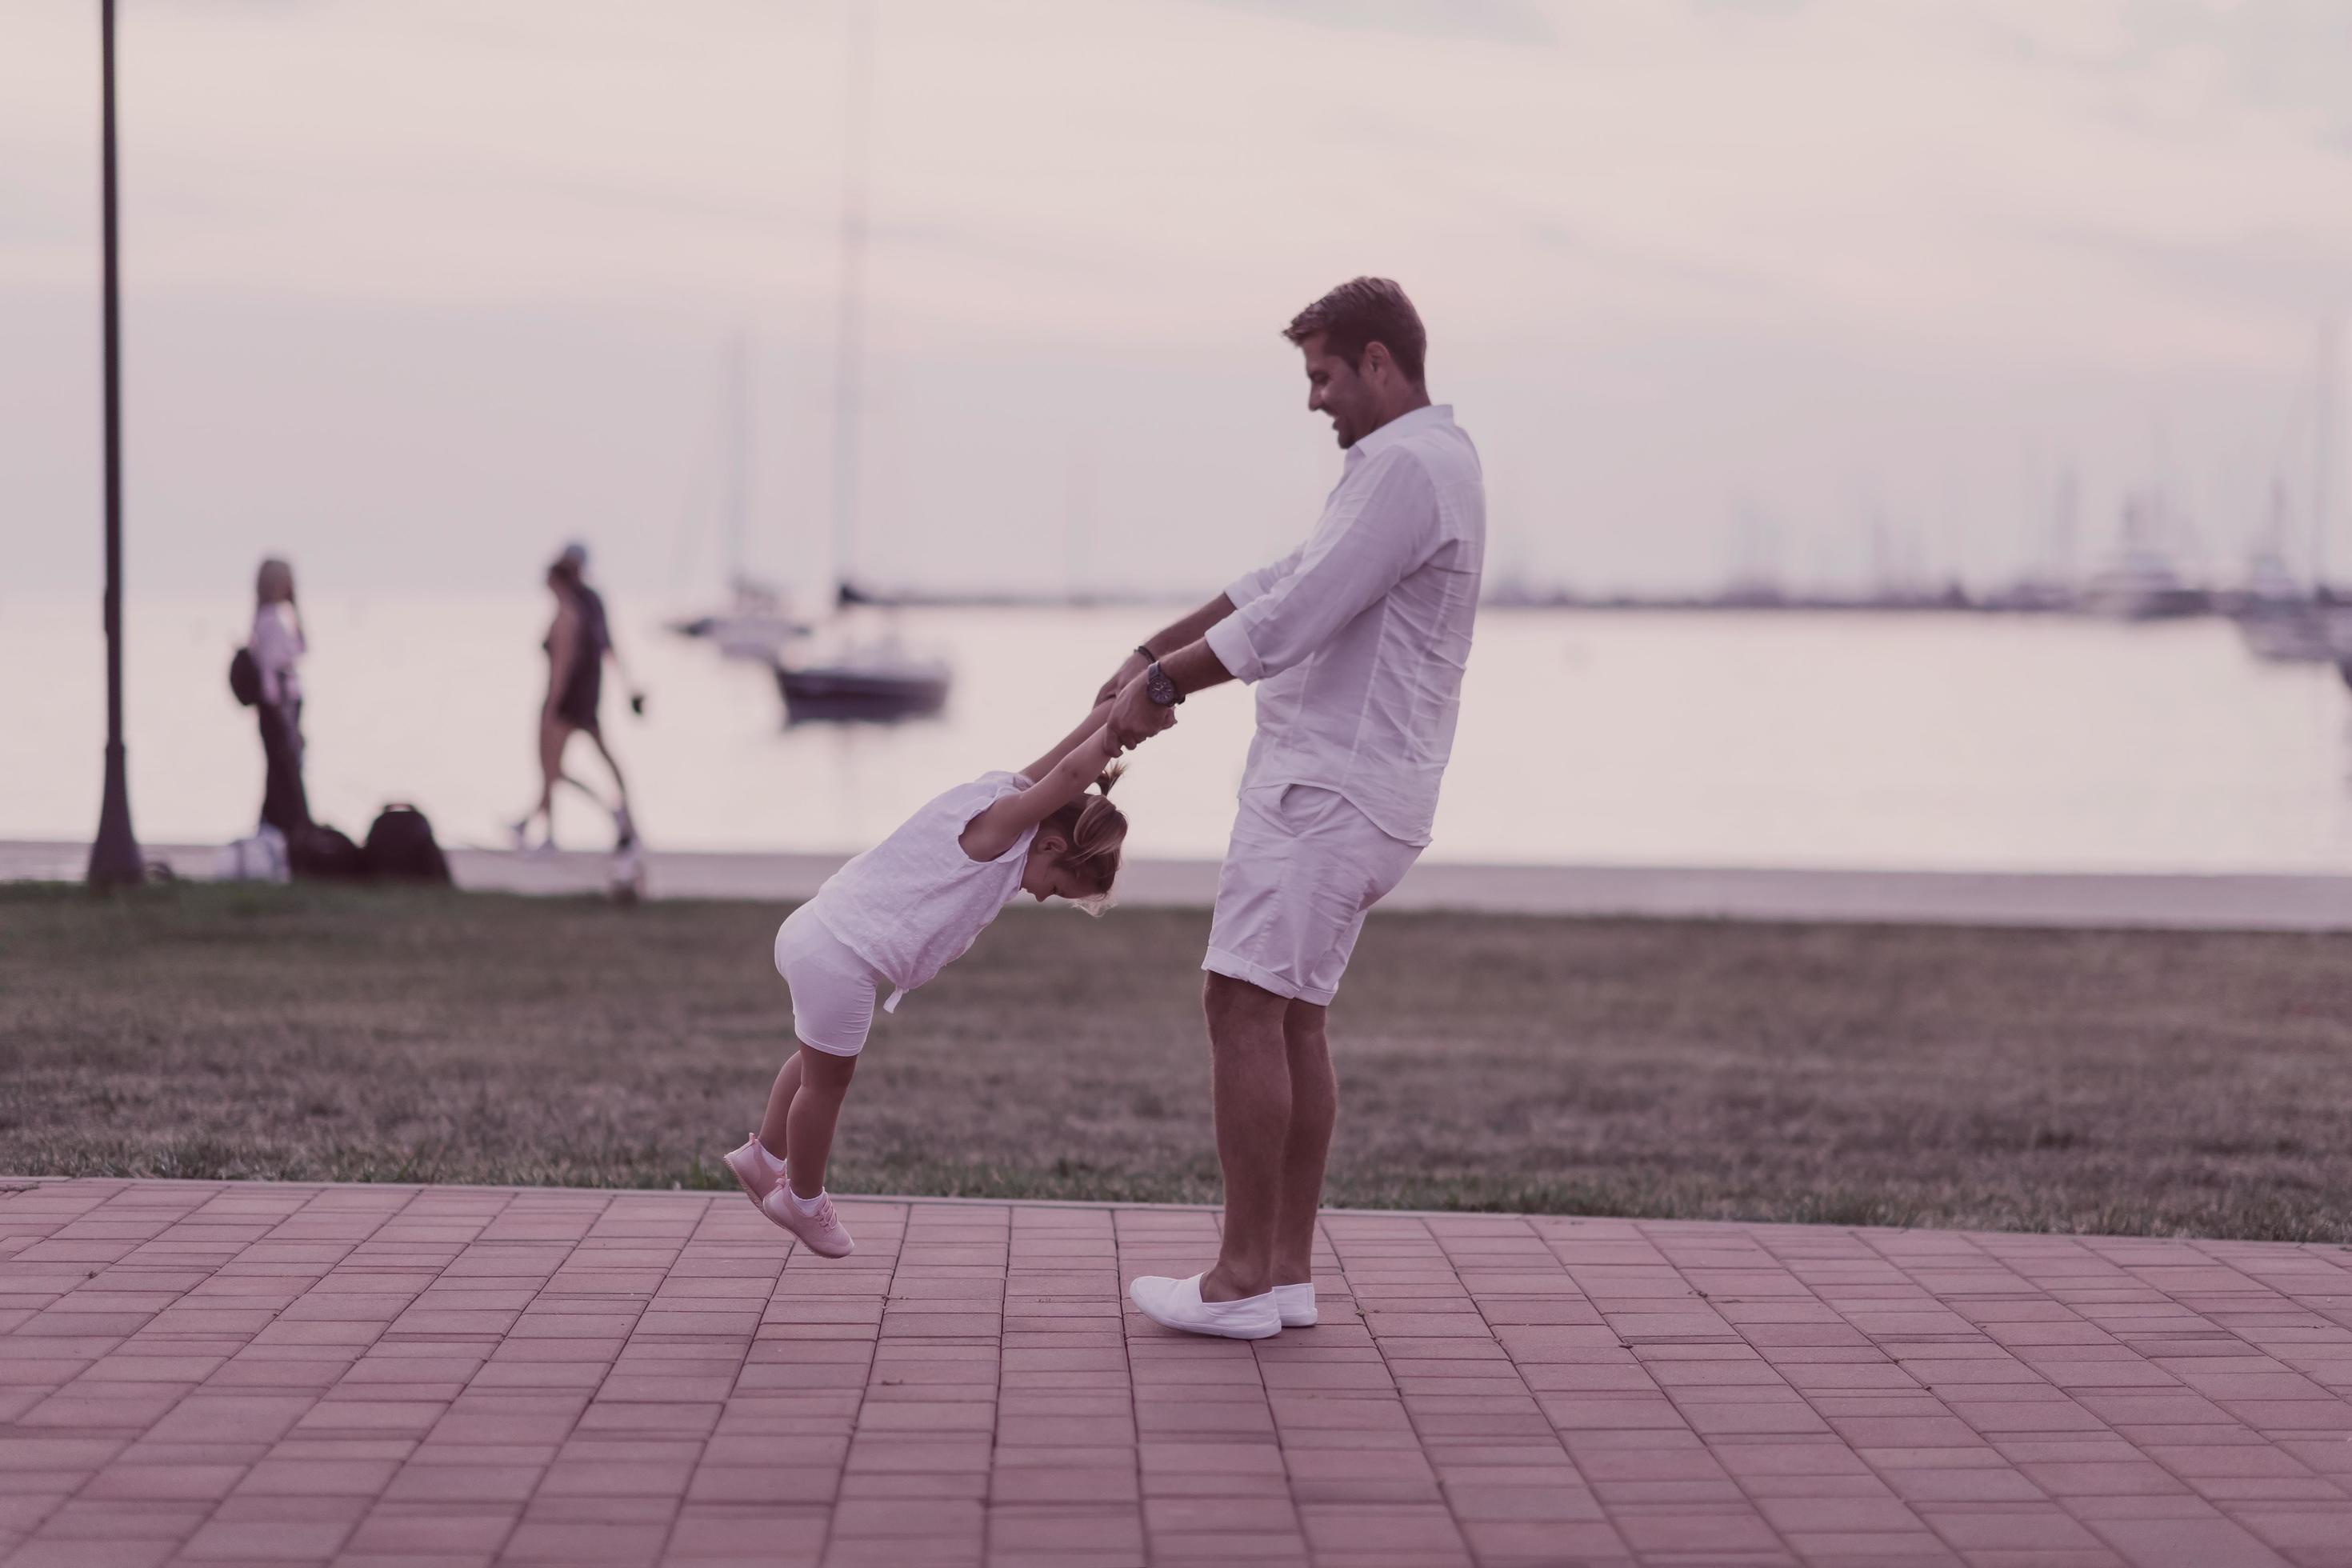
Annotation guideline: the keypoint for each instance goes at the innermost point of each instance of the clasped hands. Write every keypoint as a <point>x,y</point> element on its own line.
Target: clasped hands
<point>1133,718</point>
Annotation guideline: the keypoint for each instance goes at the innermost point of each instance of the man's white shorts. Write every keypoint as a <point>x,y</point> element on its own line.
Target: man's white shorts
<point>1304,868</point>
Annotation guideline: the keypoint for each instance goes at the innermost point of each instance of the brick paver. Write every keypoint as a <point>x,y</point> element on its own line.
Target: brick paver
<point>198,1372</point>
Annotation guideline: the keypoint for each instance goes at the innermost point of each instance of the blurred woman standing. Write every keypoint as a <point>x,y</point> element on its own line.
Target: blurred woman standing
<point>276,645</point>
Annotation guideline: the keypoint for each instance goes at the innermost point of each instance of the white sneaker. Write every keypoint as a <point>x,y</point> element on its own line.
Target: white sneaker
<point>1177,1304</point>
<point>820,1232</point>
<point>752,1170</point>
<point>1296,1304</point>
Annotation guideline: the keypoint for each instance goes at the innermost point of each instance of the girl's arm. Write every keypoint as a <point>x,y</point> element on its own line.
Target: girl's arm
<point>1035,771</point>
<point>998,828</point>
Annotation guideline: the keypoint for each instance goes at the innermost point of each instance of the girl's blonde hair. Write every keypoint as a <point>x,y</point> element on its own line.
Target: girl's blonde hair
<point>1094,829</point>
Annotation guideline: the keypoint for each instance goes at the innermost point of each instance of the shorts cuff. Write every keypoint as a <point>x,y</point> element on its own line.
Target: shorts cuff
<point>858,1049</point>
<point>1235,967</point>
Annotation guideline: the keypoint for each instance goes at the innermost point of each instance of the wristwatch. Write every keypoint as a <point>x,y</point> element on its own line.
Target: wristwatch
<point>1159,688</point>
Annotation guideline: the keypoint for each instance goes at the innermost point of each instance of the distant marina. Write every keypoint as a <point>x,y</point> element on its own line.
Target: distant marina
<point>1693,733</point>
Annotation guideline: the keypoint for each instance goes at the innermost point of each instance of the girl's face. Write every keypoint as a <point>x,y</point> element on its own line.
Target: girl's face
<point>1045,876</point>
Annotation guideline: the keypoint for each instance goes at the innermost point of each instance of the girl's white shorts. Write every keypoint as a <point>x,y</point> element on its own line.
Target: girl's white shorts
<point>833,988</point>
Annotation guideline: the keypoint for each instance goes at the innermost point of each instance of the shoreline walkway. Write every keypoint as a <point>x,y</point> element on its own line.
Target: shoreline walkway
<point>2243,901</point>
<point>403,1377</point>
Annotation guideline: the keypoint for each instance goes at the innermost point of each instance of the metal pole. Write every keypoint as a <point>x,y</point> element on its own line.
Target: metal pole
<point>114,860</point>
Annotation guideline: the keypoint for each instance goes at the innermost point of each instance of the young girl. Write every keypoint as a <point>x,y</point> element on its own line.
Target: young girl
<point>898,914</point>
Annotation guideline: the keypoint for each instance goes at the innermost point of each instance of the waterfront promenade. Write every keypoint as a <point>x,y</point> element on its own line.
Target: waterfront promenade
<point>380,1375</point>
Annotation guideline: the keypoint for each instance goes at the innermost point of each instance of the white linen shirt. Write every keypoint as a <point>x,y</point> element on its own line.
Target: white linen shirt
<point>1357,640</point>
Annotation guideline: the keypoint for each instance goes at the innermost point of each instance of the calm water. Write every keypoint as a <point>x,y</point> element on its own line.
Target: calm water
<point>1595,737</point>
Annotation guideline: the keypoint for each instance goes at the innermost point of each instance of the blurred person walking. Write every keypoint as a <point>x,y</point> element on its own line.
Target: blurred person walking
<point>577,644</point>
<point>276,645</point>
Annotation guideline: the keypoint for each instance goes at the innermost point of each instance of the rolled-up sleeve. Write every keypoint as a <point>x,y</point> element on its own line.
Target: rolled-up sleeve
<point>1353,559</point>
<point>1255,585</point>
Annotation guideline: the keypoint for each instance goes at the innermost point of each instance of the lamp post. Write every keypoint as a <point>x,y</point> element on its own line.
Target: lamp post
<point>114,860</point>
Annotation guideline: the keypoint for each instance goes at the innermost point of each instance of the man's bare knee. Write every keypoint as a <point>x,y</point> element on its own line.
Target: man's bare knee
<point>1236,1008</point>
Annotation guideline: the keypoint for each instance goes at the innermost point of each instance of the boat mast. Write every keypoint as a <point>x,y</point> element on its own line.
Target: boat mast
<point>2323,454</point>
<point>739,456</point>
<point>849,324</point>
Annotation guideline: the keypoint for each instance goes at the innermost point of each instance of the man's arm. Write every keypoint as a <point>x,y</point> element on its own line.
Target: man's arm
<point>1340,573</point>
<point>1174,635</point>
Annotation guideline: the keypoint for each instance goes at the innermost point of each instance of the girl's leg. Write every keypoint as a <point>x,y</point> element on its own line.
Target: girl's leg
<point>774,1134</point>
<point>825,1080</point>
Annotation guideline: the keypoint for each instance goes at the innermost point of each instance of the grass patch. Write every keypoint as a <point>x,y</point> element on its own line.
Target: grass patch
<point>2146,1083</point>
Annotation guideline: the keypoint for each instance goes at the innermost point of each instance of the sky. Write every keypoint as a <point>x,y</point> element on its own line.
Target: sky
<point>1827,289</point>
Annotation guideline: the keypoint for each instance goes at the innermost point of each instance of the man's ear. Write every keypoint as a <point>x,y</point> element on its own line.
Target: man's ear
<point>1377,359</point>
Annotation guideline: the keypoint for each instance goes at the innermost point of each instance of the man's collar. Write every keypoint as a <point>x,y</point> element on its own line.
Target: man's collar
<point>1403,426</point>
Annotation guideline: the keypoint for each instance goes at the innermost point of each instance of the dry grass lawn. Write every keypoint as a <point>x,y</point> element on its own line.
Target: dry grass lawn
<point>2118,1082</point>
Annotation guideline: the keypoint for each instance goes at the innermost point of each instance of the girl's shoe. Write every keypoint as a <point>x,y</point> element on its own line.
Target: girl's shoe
<point>820,1232</point>
<point>752,1171</point>
<point>1295,1303</point>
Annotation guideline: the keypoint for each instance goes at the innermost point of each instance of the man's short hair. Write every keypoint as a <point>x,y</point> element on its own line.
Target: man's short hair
<point>1366,310</point>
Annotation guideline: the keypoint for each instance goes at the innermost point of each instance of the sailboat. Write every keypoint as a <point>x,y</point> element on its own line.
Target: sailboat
<point>2281,621</point>
<point>2141,583</point>
<point>754,623</point>
<point>840,675</point>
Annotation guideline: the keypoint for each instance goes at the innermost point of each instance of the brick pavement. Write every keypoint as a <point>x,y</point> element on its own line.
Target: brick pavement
<point>402,1377</point>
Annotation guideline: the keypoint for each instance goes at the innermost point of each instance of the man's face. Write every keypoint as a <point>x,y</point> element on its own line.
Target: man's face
<point>1336,388</point>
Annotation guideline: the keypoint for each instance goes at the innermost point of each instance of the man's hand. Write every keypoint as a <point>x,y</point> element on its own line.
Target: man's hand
<point>1134,664</point>
<point>1134,718</point>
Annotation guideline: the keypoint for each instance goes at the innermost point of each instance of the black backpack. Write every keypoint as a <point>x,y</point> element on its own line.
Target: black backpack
<point>400,847</point>
<point>315,852</point>
<point>245,678</point>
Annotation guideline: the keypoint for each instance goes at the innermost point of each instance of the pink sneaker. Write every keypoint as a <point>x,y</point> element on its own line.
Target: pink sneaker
<point>749,1164</point>
<point>820,1232</point>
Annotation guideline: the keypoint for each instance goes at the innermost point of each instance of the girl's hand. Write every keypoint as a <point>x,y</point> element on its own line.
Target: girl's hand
<point>1132,665</point>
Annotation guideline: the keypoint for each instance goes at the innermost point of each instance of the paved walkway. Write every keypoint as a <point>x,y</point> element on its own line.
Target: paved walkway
<point>2194,901</point>
<point>205,1372</point>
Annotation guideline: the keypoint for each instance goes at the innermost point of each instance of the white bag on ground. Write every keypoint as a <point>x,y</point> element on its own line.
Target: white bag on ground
<point>259,858</point>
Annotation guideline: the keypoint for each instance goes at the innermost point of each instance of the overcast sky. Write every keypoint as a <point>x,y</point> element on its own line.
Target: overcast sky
<point>414,290</point>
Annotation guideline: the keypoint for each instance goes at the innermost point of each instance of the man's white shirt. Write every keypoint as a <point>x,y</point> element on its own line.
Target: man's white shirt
<point>1357,640</point>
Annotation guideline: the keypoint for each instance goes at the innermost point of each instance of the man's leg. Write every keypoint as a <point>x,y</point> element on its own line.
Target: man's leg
<point>1250,1080</point>
<point>1314,1107</point>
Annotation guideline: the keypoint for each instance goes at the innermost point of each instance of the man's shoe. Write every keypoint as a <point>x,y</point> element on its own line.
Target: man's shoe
<point>753,1172</point>
<point>820,1232</point>
<point>1296,1304</point>
<point>1177,1304</point>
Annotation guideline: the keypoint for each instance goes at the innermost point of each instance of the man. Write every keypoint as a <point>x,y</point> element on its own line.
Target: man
<point>1357,642</point>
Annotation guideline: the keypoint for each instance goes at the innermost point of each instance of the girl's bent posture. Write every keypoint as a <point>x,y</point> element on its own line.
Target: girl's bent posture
<point>898,914</point>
